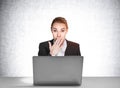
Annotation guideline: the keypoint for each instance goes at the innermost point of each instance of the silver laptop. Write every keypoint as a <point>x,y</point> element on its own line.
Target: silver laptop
<point>57,70</point>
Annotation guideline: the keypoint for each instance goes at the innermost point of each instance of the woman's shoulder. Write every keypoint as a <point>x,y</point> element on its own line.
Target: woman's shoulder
<point>45,42</point>
<point>72,43</point>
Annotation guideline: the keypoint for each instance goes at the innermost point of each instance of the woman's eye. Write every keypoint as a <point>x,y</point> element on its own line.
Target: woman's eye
<point>62,30</point>
<point>54,30</point>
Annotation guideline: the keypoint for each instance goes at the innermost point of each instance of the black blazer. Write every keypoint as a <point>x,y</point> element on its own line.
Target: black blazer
<point>72,49</point>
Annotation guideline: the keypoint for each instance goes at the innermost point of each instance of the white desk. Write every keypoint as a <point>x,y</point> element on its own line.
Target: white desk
<point>87,82</point>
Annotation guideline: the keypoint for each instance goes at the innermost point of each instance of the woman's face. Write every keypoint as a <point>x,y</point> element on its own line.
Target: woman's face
<point>59,30</point>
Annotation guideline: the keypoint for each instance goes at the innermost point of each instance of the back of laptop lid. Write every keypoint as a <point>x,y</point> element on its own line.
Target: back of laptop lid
<point>63,70</point>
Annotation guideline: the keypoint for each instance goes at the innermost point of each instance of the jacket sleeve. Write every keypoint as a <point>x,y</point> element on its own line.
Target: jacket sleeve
<point>78,51</point>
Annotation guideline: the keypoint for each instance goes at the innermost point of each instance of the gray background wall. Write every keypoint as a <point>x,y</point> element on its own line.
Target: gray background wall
<point>94,24</point>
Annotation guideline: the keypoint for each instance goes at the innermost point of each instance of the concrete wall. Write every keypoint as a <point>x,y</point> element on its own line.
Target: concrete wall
<point>94,24</point>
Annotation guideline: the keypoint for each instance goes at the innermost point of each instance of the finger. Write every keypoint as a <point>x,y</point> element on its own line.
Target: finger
<point>49,45</point>
<point>57,41</point>
<point>61,42</point>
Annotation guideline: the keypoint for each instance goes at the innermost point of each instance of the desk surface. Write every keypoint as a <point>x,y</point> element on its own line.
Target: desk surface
<point>87,82</point>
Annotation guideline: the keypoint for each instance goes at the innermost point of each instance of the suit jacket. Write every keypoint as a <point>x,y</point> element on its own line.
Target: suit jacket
<point>72,49</point>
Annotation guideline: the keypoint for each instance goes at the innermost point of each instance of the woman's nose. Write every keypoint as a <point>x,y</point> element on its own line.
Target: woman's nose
<point>58,34</point>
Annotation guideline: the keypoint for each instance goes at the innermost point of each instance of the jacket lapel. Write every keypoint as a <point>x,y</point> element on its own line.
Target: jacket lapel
<point>67,51</point>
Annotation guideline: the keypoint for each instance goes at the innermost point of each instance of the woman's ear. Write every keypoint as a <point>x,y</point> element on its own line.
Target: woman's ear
<point>67,30</point>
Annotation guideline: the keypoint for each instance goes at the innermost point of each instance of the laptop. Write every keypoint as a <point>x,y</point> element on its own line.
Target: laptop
<point>57,70</point>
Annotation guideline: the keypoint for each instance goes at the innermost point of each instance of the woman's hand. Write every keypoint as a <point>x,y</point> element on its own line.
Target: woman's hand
<point>55,48</point>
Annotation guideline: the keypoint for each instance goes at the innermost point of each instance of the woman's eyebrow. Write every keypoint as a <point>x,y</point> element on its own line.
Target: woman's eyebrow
<point>54,28</point>
<point>62,28</point>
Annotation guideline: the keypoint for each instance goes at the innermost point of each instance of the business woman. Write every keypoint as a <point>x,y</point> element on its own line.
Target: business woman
<point>59,45</point>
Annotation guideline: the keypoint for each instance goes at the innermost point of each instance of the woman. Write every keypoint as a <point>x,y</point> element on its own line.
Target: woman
<point>59,45</point>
